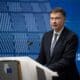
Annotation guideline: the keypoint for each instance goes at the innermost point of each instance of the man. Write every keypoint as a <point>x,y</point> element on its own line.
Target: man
<point>59,54</point>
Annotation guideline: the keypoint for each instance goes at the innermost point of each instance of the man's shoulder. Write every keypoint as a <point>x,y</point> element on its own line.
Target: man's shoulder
<point>49,32</point>
<point>70,33</point>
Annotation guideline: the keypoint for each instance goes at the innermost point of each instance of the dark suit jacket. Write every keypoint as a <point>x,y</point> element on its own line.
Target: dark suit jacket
<point>63,58</point>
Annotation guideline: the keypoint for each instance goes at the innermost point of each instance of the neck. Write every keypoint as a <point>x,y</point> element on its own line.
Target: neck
<point>60,30</point>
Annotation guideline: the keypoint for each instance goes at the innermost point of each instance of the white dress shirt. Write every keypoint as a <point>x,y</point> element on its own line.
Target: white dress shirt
<point>52,41</point>
<point>56,33</point>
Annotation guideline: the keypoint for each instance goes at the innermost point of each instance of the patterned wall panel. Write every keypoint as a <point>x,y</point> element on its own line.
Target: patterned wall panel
<point>22,24</point>
<point>7,44</point>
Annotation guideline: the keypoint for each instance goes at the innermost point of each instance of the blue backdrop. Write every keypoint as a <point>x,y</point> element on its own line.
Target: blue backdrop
<point>23,23</point>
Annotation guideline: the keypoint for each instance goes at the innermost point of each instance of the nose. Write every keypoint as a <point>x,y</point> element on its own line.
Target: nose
<point>54,21</point>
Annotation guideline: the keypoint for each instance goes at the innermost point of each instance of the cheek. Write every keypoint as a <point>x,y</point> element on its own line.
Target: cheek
<point>60,22</point>
<point>51,22</point>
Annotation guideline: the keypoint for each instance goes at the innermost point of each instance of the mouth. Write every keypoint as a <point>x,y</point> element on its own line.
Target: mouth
<point>54,25</point>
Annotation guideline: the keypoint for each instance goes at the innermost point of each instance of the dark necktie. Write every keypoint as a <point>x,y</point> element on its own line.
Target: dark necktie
<point>53,43</point>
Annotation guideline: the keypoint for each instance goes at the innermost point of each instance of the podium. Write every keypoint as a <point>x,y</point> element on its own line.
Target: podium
<point>32,70</point>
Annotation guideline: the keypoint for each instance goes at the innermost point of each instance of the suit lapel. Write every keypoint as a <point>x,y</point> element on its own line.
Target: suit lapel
<point>60,40</point>
<point>49,42</point>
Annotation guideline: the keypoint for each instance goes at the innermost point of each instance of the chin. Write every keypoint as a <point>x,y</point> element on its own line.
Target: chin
<point>54,28</point>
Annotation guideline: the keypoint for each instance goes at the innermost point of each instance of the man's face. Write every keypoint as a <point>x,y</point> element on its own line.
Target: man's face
<point>57,21</point>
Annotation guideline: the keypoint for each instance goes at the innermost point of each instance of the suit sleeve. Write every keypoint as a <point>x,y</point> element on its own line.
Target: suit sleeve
<point>68,56</point>
<point>42,58</point>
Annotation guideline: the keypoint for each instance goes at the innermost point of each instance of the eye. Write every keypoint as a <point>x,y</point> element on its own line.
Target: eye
<point>58,18</point>
<point>51,18</point>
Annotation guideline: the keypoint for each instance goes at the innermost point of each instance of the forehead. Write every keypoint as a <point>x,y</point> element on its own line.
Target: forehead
<point>56,14</point>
